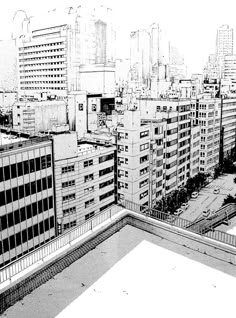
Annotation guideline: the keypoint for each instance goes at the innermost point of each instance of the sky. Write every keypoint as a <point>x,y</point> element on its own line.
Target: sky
<point>191,25</point>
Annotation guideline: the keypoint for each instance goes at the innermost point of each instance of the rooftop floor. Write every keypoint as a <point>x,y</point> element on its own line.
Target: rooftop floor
<point>136,274</point>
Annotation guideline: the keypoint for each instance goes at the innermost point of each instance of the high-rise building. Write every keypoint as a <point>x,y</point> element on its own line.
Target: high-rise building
<point>52,49</point>
<point>224,41</point>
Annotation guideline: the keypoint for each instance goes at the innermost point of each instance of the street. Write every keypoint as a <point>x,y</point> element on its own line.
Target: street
<point>207,199</point>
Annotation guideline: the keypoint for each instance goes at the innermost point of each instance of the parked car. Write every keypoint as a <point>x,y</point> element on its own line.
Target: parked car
<point>184,206</point>
<point>206,213</point>
<point>178,212</point>
<point>194,195</point>
<point>216,190</point>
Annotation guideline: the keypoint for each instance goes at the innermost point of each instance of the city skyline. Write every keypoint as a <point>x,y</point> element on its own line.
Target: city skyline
<point>191,30</point>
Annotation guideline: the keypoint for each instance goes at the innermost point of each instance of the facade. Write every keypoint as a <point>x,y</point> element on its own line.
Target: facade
<point>35,116</point>
<point>27,211</point>
<point>85,178</point>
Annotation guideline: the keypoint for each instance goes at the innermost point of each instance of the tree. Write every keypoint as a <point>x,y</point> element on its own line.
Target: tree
<point>229,199</point>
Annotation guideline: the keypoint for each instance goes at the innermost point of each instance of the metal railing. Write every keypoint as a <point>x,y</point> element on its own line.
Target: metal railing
<point>41,253</point>
<point>189,225</point>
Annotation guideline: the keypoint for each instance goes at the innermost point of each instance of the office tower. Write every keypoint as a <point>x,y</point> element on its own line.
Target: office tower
<point>224,45</point>
<point>52,49</point>
<point>224,41</point>
<point>140,57</point>
<point>27,213</point>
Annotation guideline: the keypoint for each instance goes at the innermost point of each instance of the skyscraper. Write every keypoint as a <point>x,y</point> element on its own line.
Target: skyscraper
<point>224,41</point>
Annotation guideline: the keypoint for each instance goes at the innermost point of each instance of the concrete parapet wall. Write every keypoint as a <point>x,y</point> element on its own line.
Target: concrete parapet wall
<point>185,238</point>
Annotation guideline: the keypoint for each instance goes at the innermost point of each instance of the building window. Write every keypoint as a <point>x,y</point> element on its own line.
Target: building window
<point>143,195</point>
<point>106,157</point>
<point>89,215</point>
<point>143,159</point>
<point>81,106</point>
<point>143,171</point>
<point>94,107</point>
<point>68,197</point>
<point>143,183</point>
<point>68,184</point>
<point>144,134</point>
<point>89,177</point>
<point>88,190</point>
<point>106,171</point>
<point>69,211</point>
<point>69,225</point>
<point>144,146</point>
<point>88,163</point>
<point>89,202</point>
<point>106,183</point>
<point>106,195</point>
<point>68,169</point>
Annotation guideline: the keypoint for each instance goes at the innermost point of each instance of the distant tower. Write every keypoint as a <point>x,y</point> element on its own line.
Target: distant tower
<point>224,45</point>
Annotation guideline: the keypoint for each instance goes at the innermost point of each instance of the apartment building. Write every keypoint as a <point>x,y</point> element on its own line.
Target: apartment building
<point>85,179</point>
<point>27,211</point>
<point>156,154</point>
<point>206,112</point>
<point>182,138</point>
<point>139,159</point>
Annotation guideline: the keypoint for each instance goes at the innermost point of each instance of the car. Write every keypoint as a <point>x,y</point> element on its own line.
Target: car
<point>178,212</point>
<point>194,195</point>
<point>206,213</point>
<point>216,190</point>
<point>184,206</point>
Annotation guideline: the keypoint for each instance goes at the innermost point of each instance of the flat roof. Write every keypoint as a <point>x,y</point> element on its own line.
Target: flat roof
<point>135,274</point>
<point>6,139</point>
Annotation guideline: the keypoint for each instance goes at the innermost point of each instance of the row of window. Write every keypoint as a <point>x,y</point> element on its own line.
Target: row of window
<point>24,236</point>
<point>41,82</point>
<point>106,183</point>
<point>41,64</point>
<point>68,197</point>
<point>106,195</point>
<point>42,88</point>
<point>24,167</point>
<point>69,211</point>
<point>39,70</point>
<point>25,213</point>
<point>68,184</point>
<point>68,169</point>
<point>69,225</point>
<point>41,58</point>
<point>40,52</point>
<point>25,48</point>
<point>25,190</point>
<point>105,171</point>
